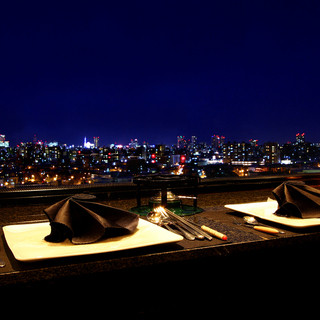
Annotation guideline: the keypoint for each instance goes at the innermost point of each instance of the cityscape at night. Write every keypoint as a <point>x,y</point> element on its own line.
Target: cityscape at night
<point>39,163</point>
<point>166,152</point>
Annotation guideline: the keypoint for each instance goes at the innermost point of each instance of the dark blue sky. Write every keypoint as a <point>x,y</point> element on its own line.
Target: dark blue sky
<point>153,70</point>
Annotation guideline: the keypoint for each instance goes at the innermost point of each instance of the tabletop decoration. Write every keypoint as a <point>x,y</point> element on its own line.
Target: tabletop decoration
<point>82,221</point>
<point>298,200</point>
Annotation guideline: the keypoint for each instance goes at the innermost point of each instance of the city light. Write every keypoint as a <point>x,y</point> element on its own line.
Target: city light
<point>53,164</point>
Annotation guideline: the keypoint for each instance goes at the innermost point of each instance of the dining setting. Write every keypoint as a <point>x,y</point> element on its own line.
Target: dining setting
<point>80,226</point>
<point>81,242</point>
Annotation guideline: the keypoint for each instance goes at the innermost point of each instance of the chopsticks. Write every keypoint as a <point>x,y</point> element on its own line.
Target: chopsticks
<point>203,230</point>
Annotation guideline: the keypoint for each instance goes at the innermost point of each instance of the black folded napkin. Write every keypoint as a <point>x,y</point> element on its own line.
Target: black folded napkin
<point>296,199</point>
<point>84,222</point>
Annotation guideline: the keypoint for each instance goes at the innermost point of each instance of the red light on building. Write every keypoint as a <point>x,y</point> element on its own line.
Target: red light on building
<point>153,156</point>
<point>182,159</point>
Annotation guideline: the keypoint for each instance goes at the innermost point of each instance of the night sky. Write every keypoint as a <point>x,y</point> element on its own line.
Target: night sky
<point>153,70</point>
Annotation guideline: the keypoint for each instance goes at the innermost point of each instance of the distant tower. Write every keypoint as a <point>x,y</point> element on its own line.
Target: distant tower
<point>217,141</point>
<point>181,142</point>
<point>300,138</point>
<point>96,142</point>
<point>193,141</point>
<point>85,141</point>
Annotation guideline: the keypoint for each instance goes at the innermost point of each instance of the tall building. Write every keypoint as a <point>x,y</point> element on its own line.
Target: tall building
<point>272,153</point>
<point>193,141</point>
<point>217,141</point>
<point>300,138</point>
<point>96,142</point>
<point>240,153</point>
<point>235,151</point>
<point>181,142</point>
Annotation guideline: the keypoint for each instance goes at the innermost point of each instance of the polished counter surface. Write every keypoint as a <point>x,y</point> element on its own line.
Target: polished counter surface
<point>202,261</point>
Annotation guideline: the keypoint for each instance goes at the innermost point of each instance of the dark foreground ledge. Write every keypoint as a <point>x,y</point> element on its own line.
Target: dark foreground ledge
<point>251,263</point>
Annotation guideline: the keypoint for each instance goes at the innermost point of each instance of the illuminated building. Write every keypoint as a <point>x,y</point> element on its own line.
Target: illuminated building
<point>181,142</point>
<point>175,159</point>
<point>53,144</point>
<point>241,153</point>
<point>194,140</point>
<point>272,153</point>
<point>300,138</point>
<point>235,151</point>
<point>96,142</point>
<point>3,142</point>
<point>87,144</point>
<point>217,142</point>
<point>134,144</point>
<point>254,142</point>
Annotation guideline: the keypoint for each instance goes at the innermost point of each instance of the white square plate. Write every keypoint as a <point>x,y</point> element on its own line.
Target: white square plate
<point>26,241</point>
<point>265,210</point>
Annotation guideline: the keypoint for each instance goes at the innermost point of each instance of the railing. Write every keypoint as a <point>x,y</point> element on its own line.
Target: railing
<point>129,189</point>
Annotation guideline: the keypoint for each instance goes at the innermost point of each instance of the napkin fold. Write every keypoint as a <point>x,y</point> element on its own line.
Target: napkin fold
<point>296,199</point>
<point>84,222</point>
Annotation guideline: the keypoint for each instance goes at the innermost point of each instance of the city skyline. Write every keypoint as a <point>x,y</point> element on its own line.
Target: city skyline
<point>95,142</point>
<point>156,70</point>
<point>49,164</point>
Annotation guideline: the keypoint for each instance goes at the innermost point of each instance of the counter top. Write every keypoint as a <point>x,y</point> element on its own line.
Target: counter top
<point>244,249</point>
